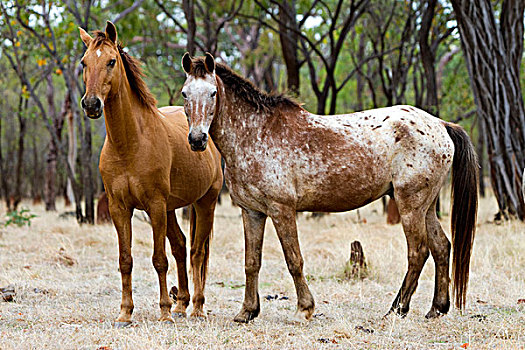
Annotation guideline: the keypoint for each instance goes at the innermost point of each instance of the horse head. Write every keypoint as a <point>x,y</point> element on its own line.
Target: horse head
<point>200,93</point>
<point>100,73</point>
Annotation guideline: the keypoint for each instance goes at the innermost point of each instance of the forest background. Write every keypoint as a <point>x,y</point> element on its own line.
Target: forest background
<point>459,60</point>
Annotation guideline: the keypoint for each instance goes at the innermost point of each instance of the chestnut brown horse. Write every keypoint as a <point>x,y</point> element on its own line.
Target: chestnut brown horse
<point>146,163</point>
<point>281,159</point>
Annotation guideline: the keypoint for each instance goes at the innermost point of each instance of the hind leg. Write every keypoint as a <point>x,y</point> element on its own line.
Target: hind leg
<point>413,207</point>
<point>200,248</point>
<point>178,248</point>
<point>440,249</point>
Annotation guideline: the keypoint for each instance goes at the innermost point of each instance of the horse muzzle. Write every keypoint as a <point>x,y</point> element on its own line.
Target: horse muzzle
<point>198,142</point>
<point>92,106</point>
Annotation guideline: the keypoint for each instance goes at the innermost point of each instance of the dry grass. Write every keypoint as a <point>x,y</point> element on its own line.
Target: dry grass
<point>68,289</point>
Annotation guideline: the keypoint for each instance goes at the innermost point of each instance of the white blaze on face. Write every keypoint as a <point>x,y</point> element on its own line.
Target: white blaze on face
<point>200,101</point>
<point>99,53</point>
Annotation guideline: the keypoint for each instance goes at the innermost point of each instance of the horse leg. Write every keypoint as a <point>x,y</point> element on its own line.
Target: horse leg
<point>178,248</point>
<point>440,249</point>
<point>122,220</point>
<point>200,248</point>
<point>412,209</point>
<point>283,219</point>
<point>158,215</point>
<point>254,223</point>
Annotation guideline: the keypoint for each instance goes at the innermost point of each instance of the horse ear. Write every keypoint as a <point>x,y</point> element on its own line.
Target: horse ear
<point>209,62</point>
<point>86,38</point>
<point>111,32</point>
<point>186,63</point>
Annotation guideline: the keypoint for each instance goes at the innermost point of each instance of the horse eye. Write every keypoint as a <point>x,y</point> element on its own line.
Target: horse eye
<point>214,93</point>
<point>184,95</point>
<point>112,62</point>
<point>83,64</point>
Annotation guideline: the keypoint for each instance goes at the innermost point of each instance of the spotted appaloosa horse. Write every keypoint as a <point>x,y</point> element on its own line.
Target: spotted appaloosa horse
<point>146,163</point>
<point>281,159</point>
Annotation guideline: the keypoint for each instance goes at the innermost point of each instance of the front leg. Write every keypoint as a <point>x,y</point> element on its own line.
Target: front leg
<point>122,221</point>
<point>158,216</point>
<point>283,218</point>
<point>253,241</point>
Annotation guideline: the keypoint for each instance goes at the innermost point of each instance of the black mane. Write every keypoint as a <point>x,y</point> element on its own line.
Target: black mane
<point>242,87</point>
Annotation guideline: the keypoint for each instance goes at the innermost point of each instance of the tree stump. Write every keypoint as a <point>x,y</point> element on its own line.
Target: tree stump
<point>356,266</point>
<point>103,216</point>
<point>392,217</point>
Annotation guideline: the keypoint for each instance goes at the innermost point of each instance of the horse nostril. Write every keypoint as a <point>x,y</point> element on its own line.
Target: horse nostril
<point>204,138</point>
<point>83,104</point>
<point>98,104</point>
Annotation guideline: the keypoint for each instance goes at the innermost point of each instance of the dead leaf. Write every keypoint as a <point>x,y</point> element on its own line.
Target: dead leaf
<point>64,258</point>
<point>8,293</point>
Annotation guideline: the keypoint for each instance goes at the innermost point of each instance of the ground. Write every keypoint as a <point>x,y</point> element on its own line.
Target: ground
<point>68,288</point>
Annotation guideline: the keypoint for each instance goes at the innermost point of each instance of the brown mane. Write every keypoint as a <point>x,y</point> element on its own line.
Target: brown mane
<point>242,87</point>
<point>133,70</point>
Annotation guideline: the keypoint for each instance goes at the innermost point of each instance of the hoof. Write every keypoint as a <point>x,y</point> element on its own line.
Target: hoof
<point>434,313</point>
<point>178,314</point>
<point>302,316</point>
<point>198,314</point>
<point>119,324</point>
<point>167,319</point>
<point>394,313</point>
<point>245,316</point>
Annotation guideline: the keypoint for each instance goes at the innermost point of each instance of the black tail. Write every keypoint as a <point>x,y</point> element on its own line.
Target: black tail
<point>464,208</point>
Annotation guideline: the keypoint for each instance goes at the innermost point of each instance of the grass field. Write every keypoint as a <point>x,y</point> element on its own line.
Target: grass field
<point>68,288</point>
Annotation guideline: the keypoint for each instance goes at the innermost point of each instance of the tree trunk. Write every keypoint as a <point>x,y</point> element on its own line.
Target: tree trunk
<point>67,113</point>
<point>189,12</point>
<point>89,190</point>
<point>17,197</point>
<point>428,58</point>
<point>51,161</point>
<point>493,51</point>
<point>289,44</point>
<point>3,170</point>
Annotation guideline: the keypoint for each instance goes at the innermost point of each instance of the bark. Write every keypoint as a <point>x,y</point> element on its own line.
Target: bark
<point>428,58</point>
<point>289,44</point>
<point>189,12</point>
<point>68,115</point>
<point>493,51</point>
<point>52,154</point>
<point>3,170</point>
<point>22,123</point>
<point>87,161</point>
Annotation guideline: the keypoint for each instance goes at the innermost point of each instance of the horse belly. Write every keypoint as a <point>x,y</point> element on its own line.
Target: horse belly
<point>342,192</point>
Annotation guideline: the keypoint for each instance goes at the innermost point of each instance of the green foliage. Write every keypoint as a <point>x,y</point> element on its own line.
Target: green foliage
<point>19,218</point>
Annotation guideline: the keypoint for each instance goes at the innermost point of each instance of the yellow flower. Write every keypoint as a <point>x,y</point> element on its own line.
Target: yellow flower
<point>17,44</point>
<point>58,71</point>
<point>41,62</point>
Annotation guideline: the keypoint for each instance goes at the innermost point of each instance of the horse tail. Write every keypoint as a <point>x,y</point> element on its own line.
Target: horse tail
<point>464,200</point>
<point>193,227</point>
<point>204,270</point>
<point>193,232</point>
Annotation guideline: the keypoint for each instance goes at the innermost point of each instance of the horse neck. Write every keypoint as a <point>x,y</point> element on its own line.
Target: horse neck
<point>235,120</point>
<point>123,114</point>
